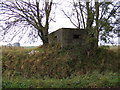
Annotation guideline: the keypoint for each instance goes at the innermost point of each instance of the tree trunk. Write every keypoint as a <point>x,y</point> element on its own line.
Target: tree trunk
<point>45,40</point>
<point>97,24</point>
<point>43,34</point>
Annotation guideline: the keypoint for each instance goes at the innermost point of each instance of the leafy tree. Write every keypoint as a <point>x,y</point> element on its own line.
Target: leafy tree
<point>26,14</point>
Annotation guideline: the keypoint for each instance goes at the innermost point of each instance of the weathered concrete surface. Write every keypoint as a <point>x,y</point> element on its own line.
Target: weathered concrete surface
<point>67,36</point>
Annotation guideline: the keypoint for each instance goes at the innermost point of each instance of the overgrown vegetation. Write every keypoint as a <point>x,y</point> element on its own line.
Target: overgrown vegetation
<point>55,67</point>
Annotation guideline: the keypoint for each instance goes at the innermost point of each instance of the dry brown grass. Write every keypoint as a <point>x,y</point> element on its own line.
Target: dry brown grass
<point>115,48</point>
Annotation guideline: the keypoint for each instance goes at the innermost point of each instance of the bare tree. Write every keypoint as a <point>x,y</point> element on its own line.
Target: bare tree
<point>94,17</point>
<point>34,14</point>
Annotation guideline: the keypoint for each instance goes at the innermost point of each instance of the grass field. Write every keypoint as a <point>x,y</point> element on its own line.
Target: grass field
<point>51,67</point>
<point>90,80</point>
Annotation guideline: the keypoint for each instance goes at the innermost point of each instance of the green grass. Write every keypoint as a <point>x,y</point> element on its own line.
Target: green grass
<point>90,80</point>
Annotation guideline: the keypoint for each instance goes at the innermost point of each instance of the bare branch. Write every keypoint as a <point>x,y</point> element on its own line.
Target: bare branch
<point>69,18</point>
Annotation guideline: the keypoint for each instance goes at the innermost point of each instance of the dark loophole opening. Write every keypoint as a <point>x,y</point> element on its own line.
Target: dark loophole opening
<point>76,36</point>
<point>55,37</point>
